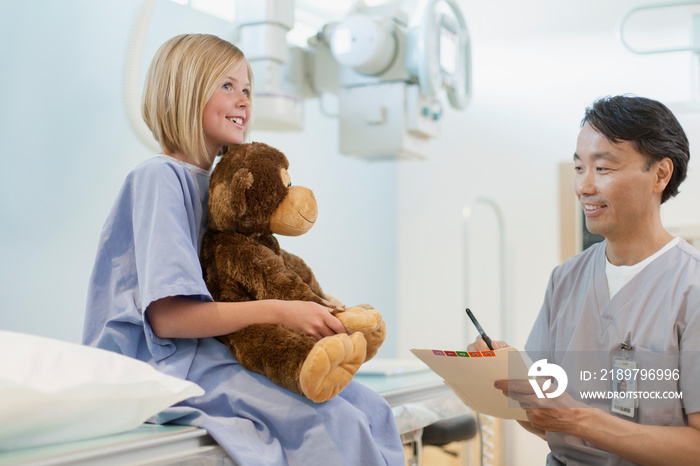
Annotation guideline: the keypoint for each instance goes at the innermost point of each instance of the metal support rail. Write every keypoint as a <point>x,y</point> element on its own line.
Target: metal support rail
<point>654,6</point>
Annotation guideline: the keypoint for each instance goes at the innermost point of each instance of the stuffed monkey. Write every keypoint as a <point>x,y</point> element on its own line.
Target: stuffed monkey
<point>251,199</point>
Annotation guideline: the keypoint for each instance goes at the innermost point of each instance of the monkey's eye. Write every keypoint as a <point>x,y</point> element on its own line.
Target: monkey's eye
<point>286,179</point>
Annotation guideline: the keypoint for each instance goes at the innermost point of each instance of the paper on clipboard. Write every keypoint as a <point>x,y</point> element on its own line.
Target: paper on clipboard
<point>472,378</point>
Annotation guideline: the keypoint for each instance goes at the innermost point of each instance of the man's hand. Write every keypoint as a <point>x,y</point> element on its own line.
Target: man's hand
<point>480,345</point>
<point>560,414</point>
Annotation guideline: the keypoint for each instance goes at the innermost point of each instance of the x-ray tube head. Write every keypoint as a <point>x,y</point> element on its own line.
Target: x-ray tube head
<point>364,43</point>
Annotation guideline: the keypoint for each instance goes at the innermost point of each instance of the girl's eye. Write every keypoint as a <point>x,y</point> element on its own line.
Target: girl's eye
<point>246,92</point>
<point>227,86</point>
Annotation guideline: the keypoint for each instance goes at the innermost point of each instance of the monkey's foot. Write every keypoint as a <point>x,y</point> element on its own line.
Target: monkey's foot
<point>331,365</point>
<point>364,318</point>
<point>375,340</point>
<point>360,319</point>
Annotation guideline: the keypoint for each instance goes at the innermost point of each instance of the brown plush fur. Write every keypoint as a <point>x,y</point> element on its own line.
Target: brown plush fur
<point>242,261</point>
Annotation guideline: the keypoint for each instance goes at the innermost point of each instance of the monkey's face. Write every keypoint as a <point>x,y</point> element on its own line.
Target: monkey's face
<point>297,212</point>
<point>251,192</point>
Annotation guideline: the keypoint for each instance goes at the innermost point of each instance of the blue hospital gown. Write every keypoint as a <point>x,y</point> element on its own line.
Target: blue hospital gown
<point>148,250</point>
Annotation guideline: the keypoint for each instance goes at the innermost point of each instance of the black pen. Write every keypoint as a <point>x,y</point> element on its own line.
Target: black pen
<point>481,330</point>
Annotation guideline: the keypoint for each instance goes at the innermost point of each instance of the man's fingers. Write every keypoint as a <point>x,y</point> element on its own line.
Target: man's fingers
<point>514,385</point>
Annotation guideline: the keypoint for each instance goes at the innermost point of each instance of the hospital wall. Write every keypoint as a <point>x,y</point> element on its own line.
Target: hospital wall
<point>389,233</point>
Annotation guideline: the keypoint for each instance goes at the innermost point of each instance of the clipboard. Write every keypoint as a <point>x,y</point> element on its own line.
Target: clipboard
<point>471,376</point>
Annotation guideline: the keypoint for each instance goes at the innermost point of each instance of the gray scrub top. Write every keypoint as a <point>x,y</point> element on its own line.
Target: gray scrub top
<point>657,313</point>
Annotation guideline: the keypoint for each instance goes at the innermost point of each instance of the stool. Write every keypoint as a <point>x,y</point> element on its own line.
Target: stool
<point>455,429</point>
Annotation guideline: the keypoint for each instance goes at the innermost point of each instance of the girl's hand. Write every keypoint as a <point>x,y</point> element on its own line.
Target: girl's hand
<point>311,318</point>
<point>334,307</point>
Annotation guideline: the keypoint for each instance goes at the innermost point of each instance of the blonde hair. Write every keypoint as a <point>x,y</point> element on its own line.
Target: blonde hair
<point>183,75</point>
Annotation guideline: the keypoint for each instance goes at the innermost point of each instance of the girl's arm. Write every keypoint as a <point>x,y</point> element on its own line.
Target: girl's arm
<point>180,317</point>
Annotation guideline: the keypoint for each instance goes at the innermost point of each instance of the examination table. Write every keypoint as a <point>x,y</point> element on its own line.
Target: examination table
<point>418,399</point>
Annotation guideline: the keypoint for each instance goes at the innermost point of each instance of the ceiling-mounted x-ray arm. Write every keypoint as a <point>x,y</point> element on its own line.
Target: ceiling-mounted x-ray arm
<point>440,51</point>
<point>388,74</point>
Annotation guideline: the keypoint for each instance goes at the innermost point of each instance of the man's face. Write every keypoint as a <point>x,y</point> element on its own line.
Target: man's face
<point>619,197</point>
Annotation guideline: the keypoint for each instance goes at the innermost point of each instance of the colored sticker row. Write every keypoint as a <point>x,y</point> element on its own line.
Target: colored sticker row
<point>464,354</point>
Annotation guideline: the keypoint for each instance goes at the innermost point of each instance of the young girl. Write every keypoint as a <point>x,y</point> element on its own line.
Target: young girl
<point>147,298</point>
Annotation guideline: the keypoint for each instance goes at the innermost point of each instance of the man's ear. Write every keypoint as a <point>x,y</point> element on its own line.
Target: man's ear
<point>663,171</point>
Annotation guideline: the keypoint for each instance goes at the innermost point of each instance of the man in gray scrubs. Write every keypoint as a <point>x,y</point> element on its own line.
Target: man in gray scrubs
<point>625,309</point>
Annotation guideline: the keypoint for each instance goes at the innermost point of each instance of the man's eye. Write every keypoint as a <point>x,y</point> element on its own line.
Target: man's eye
<point>289,184</point>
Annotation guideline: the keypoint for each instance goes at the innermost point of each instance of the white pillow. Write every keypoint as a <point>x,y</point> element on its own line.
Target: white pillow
<point>53,391</point>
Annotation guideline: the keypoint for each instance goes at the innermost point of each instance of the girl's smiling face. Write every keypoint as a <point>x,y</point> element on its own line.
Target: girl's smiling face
<point>227,111</point>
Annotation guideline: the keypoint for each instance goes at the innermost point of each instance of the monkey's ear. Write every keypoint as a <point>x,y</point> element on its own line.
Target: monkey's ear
<point>227,200</point>
<point>242,181</point>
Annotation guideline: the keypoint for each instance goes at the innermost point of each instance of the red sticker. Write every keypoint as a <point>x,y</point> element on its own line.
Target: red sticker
<point>451,353</point>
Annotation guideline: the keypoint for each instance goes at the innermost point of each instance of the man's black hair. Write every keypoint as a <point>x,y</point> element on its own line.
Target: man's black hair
<point>649,126</point>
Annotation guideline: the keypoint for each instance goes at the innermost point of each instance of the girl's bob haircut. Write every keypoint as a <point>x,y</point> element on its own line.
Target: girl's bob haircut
<point>183,75</point>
